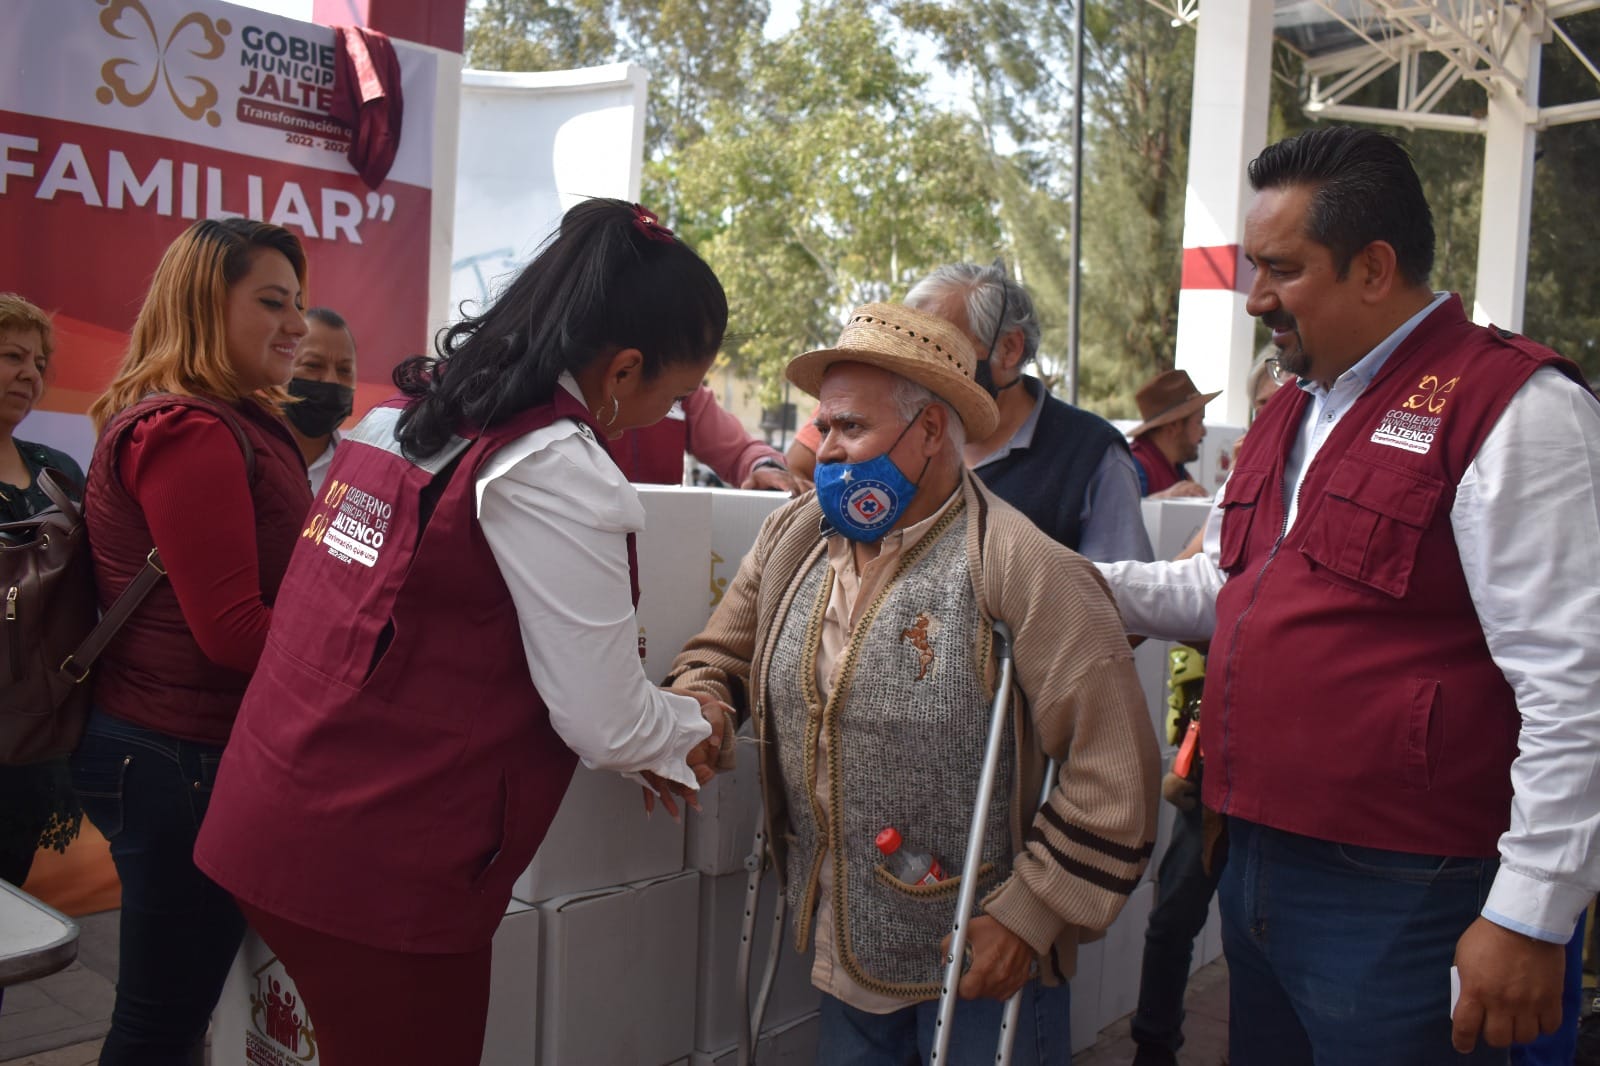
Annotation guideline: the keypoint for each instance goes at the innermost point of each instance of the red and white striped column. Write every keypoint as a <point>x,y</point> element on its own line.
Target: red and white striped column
<point>1232,80</point>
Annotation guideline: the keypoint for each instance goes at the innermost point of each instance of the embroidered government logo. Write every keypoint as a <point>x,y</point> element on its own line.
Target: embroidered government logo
<point>1432,395</point>
<point>1406,431</point>
<point>132,80</point>
<point>920,636</point>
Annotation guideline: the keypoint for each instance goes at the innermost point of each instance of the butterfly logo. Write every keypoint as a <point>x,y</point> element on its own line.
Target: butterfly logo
<point>132,81</point>
<point>1433,395</point>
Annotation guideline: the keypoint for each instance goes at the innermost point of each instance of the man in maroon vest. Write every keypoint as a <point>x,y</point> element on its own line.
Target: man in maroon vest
<point>1402,724</point>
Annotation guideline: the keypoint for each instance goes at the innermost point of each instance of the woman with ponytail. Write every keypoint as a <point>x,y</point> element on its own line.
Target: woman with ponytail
<point>455,632</point>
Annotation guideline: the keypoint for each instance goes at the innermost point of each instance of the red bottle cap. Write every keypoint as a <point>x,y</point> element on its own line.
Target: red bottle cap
<point>889,840</point>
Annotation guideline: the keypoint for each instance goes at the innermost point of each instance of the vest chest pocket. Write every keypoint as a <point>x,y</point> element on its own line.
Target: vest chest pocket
<point>1370,522</point>
<point>1240,500</point>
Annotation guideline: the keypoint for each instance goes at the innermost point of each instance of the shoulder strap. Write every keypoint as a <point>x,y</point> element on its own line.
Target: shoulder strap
<point>51,482</point>
<point>229,419</point>
<point>77,665</point>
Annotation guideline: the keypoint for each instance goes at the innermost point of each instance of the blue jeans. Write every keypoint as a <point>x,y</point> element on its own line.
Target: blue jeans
<point>1560,1047</point>
<point>851,1037</point>
<point>1340,955</point>
<point>147,792</point>
<point>1183,903</point>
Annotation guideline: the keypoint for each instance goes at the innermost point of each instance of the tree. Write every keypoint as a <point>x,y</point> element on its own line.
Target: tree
<point>826,183</point>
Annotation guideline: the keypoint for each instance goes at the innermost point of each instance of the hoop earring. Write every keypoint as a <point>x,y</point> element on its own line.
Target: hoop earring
<point>615,407</point>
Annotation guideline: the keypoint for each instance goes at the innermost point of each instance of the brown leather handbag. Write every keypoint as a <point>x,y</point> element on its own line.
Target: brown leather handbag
<point>49,636</point>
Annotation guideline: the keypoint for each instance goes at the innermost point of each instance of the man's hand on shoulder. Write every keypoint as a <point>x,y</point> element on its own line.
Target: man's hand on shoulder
<point>1510,986</point>
<point>1002,961</point>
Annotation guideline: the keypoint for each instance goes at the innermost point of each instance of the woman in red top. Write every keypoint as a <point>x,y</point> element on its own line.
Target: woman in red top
<point>193,462</point>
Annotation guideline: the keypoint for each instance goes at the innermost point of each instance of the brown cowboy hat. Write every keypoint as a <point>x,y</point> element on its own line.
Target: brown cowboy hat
<point>1167,397</point>
<point>914,345</point>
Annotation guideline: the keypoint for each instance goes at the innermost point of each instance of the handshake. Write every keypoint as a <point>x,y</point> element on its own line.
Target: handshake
<point>702,760</point>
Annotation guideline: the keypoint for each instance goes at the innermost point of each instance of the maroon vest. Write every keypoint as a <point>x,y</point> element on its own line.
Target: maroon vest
<point>1350,695</point>
<point>393,769</point>
<point>153,673</point>
<point>652,455</point>
<point>1159,471</point>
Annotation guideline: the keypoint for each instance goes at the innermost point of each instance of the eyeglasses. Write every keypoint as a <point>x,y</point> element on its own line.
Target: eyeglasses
<point>1279,374</point>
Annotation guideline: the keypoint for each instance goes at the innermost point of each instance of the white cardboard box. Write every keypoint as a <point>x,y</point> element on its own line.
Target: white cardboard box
<point>512,1036</point>
<point>259,1018</point>
<point>1124,956</point>
<point>674,577</point>
<point>616,985</point>
<point>736,518</point>
<point>722,903</point>
<point>1171,523</point>
<point>601,837</point>
<point>791,1044</point>
<point>1216,456</point>
<point>720,836</point>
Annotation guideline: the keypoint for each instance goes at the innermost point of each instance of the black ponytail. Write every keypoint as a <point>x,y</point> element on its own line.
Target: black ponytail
<point>608,278</point>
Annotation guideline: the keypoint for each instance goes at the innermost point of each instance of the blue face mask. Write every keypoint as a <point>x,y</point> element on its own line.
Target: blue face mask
<point>864,500</point>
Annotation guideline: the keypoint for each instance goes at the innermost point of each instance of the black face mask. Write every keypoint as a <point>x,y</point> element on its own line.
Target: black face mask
<point>323,405</point>
<point>985,379</point>
<point>982,373</point>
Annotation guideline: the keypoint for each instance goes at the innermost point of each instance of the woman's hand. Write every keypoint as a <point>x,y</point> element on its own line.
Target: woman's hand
<point>701,760</point>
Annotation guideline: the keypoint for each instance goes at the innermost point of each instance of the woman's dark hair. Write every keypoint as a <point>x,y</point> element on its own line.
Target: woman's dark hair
<point>1365,190</point>
<point>605,280</point>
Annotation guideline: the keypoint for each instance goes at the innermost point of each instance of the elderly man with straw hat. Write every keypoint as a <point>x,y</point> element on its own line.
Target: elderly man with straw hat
<point>1174,425</point>
<point>858,632</point>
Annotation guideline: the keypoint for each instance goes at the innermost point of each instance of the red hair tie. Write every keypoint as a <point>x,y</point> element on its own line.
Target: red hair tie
<point>648,224</point>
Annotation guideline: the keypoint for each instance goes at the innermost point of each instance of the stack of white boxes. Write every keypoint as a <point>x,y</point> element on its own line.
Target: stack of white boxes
<point>592,963</point>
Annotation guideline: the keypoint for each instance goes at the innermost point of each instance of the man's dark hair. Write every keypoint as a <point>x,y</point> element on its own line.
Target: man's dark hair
<point>327,316</point>
<point>1365,190</point>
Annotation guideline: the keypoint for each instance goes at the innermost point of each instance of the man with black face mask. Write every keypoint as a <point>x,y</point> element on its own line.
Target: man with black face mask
<point>1066,469</point>
<point>324,388</point>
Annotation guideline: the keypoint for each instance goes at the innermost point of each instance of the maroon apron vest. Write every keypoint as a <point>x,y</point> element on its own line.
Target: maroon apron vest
<point>1350,695</point>
<point>153,673</point>
<point>652,455</point>
<point>393,769</point>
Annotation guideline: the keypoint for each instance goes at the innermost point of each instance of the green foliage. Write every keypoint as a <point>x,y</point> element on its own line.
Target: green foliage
<point>843,160</point>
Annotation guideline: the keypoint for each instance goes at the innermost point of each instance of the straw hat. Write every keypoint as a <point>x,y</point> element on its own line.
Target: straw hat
<point>914,345</point>
<point>1167,397</point>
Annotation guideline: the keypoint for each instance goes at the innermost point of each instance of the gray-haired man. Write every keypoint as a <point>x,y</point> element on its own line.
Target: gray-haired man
<point>1068,470</point>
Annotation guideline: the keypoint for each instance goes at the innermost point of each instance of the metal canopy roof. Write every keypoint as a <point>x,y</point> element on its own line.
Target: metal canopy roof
<point>1345,45</point>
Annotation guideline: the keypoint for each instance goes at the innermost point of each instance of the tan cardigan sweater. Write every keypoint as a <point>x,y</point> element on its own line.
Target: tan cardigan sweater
<point>1078,699</point>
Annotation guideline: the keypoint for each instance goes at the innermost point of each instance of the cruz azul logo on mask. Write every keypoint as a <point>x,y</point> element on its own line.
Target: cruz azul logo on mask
<point>868,502</point>
<point>351,525</point>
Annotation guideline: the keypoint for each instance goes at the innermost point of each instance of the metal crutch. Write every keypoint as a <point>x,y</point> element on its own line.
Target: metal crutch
<point>956,959</point>
<point>755,865</point>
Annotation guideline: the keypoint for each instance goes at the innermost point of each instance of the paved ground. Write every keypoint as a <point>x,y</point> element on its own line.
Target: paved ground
<point>59,1020</point>
<point>69,1010</point>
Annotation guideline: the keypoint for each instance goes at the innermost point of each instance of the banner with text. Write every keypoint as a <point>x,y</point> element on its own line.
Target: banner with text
<point>123,121</point>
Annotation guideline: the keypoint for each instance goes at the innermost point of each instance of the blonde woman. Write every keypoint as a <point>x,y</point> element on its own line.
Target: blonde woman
<point>195,462</point>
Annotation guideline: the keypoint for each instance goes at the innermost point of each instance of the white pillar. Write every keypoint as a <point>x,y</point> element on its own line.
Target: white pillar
<point>1232,81</point>
<point>1502,281</point>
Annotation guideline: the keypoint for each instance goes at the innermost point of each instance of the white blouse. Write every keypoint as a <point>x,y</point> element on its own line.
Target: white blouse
<point>557,512</point>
